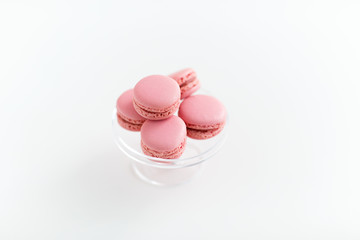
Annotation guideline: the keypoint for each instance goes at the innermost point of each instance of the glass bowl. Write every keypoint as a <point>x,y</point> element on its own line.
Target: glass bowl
<point>159,171</point>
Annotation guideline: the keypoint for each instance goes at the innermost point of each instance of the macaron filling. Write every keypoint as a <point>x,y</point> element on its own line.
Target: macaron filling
<point>205,127</point>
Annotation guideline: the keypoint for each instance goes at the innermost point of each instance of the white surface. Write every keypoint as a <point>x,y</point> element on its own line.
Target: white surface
<point>288,73</point>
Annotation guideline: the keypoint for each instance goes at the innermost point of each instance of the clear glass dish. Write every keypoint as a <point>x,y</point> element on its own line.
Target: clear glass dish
<point>159,171</point>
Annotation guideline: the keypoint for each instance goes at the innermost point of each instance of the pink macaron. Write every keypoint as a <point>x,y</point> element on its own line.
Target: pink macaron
<point>127,117</point>
<point>156,97</point>
<point>187,80</point>
<point>165,138</point>
<point>204,116</point>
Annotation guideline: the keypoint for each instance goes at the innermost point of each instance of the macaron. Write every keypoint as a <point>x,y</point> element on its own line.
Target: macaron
<point>127,117</point>
<point>204,116</point>
<point>164,138</point>
<point>187,80</point>
<point>156,97</point>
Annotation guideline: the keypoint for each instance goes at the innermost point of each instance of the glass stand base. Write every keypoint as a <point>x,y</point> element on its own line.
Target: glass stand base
<point>165,177</point>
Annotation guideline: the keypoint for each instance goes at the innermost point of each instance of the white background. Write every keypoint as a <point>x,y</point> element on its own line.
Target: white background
<point>288,73</point>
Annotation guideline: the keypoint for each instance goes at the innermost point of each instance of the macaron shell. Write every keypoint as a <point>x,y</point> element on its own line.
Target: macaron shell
<point>125,108</point>
<point>163,135</point>
<point>156,92</point>
<point>202,111</point>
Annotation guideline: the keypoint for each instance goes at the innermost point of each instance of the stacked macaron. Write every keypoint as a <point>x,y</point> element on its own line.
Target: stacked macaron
<point>187,80</point>
<point>151,105</point>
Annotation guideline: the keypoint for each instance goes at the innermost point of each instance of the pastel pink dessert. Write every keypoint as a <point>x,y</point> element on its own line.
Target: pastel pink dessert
<point>165,138</point>
<point>127,117</point>
<point>204,116</point>
<point>156,97</point>
<point>187,80</point>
